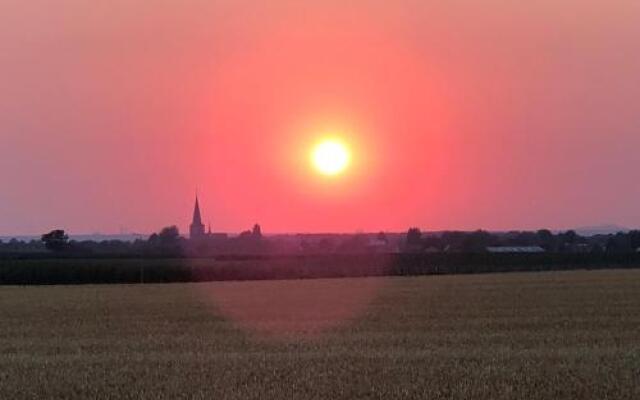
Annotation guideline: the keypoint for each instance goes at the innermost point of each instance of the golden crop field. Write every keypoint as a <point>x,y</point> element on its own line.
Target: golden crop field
<point>553,335</point>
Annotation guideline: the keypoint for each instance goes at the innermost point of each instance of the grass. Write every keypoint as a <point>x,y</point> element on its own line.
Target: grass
<point>565,335</point>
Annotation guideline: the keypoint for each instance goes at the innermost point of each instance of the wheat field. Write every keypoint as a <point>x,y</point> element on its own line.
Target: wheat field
<point>563,335</point>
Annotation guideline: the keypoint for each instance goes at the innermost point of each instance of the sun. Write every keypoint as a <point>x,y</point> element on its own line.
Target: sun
<point>330,157</point>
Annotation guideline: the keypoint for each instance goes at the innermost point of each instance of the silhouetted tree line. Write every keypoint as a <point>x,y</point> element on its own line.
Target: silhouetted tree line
<point>57,243</point>
<point>167,257</point>
<point>166,243</point>
<point>562,242</point>
<point>169,243</point>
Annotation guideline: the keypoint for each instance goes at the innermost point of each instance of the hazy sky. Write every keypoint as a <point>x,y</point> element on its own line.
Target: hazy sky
<point>461,114</point>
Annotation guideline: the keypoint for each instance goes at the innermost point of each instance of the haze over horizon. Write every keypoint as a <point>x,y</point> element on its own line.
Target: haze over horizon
<point>458,115</point>
<point>184,231</point>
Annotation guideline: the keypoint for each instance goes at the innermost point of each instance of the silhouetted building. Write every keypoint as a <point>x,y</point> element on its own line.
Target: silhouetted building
<point>515,249</point>
<point>196,230</point>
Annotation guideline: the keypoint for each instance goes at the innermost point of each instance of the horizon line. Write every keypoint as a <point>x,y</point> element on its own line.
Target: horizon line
<point>603,227</point>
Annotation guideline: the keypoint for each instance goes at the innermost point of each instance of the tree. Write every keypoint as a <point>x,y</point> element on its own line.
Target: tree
<point>56,240</point>
<point>634,239</point>
<point>354,244</point>
<point>166,242</point>
<point>620,243</point>
<point>382,237</point>
<point>570,237</point>
<point>568,240</point>
<point>325,245</point>
<point>433,242</point>
<point>477,242</point>
<point>256,232</point>
<point>546,239</point>
<point>169,236</point>
<point>414,237</point>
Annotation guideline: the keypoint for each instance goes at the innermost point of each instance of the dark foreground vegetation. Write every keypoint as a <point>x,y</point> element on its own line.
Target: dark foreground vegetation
<point>40,269</point>
<point>168,257</point>
<point>556,335</point>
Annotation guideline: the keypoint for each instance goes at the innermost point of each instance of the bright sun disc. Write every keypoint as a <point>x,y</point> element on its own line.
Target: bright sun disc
<point>330,157</point>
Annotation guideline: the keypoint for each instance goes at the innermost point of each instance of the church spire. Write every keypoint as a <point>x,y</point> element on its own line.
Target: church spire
<point>196,230</point>
<point>197,218</point>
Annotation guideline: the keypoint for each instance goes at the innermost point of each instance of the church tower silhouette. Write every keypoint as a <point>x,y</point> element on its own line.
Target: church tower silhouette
<point>196,230</point>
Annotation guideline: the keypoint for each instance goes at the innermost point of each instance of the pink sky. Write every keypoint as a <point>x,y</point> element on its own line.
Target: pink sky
<point>462,114</point>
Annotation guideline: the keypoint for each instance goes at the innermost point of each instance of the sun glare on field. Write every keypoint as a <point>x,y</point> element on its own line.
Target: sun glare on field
<point>330,157</point>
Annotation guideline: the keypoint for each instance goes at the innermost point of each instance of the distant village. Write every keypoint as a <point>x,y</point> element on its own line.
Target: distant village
<point>203,242</point>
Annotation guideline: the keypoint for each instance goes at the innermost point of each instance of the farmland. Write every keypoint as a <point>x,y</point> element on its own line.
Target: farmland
<point>571,334</point>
